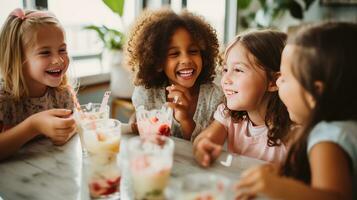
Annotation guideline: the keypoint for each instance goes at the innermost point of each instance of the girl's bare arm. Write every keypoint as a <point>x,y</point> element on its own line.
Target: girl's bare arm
<point>11,140</point>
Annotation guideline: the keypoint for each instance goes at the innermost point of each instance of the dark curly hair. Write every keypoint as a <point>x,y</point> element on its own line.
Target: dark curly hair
<point>266,46</point>
<point>148,43</point>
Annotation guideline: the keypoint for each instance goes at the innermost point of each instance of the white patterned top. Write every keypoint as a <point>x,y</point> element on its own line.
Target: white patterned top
<point>14,112</point>
<point>210,96</point>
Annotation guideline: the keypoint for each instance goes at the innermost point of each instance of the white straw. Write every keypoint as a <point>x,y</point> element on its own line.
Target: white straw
<point>104,101</point>
<point>175,99</point>
<point>228,161</point>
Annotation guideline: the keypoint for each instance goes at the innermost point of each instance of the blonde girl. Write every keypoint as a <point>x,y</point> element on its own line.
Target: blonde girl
<point>35,97</point>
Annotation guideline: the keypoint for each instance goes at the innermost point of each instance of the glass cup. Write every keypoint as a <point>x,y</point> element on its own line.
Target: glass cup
<point>102,135</point>
<point>150,162</point>
<point>203,186</point>
<point>87,113</point>
<point>103,175</point>
<point>102,140</point>
<point>154,122</point>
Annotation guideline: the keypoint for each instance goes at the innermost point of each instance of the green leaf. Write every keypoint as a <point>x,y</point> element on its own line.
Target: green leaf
<point>98,29</point>
<point>117,6</point>
<point>111,38</point>
<point>262,3</point>
<point>243,4</point>
<point>296,10</point>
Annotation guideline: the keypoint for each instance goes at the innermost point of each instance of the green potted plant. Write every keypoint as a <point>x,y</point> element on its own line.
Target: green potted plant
<point>113,41</point>
<point>111,38</point>
<point>266,13</point>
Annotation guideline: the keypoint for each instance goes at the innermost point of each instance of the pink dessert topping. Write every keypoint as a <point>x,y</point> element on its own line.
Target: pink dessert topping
<point>106,187</point>
<point>164,130</point>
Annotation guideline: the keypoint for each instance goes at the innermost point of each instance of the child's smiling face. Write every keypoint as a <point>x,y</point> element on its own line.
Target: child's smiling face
<point>297,100</point>
<point>243,83</point>
<point>46,61</point>
<point>183,63</point>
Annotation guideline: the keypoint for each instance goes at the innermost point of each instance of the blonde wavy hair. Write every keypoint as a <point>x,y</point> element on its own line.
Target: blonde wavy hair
<point>16,35</point>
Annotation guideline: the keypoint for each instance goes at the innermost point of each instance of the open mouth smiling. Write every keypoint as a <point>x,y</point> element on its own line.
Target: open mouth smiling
<point>54,72</point>
<point>186,73</point>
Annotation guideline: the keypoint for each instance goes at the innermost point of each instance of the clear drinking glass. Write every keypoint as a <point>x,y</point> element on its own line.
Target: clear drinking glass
<point>103,175</point>
<point>102,140</point>
<point>88,112</point>
<point>150,162</point>
<point>154,122</point>
<point>102,135</point>
<point>204,186</point>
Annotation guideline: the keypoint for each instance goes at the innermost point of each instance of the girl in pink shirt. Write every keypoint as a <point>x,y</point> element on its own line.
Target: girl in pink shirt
<point>253,119</point>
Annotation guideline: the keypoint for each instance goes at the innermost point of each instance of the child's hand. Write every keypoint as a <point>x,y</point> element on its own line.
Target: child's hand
<point>206,152</point>
<point>133,124</point>
<point>182,106</point>
<point>182,109</point>
<point>259,180</point>
<point>55,124</point>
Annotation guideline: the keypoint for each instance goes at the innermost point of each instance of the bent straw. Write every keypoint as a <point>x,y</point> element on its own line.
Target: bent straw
<point>75,102</point>
<point>170,111</point>
<point>104,101</point>
<point>228,161</point>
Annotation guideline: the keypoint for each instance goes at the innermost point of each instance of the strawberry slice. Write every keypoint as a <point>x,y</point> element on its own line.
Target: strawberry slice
<point>154,120</point>
<point>114,181</point>
<point>101,137</point>
<point>164,130</point>
<point>95,186</point>
<point>110,190</point>
<point>96,189</point>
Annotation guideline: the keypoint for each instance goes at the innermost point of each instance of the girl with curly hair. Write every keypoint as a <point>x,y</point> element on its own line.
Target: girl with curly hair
<point>174,57</point>
<point>253,119</point>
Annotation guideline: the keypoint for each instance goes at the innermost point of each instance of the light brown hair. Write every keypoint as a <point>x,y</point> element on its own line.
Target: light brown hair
<point>266,47</point>
<point>324,52</point>
<point>16,35</point>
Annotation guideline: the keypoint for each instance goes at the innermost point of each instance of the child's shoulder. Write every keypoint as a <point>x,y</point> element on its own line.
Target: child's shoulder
<point>342,133</point>
<point>4,96</point>
<point>142,90</point>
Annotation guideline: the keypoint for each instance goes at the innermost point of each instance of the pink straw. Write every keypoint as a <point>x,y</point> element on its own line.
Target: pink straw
<point>104,101</point>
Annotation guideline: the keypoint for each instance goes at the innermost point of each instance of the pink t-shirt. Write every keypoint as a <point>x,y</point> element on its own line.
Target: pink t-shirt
<point>248,140</point>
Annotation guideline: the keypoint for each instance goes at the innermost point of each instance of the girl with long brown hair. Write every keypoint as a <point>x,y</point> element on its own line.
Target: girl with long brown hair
<point>253,119</point>
<point>317,84</point>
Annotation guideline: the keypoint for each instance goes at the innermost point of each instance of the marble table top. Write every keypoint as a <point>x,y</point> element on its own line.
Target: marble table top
<point>43,171</point>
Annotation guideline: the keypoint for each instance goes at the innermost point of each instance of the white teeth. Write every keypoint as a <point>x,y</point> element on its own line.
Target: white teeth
<point>230,92</point>
<point>185,72</point>
<point>54,71</point>
<point>185,75</point>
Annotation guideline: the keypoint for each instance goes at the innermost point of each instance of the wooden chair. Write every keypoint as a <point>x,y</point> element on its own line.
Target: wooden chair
<point>119,103</point>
